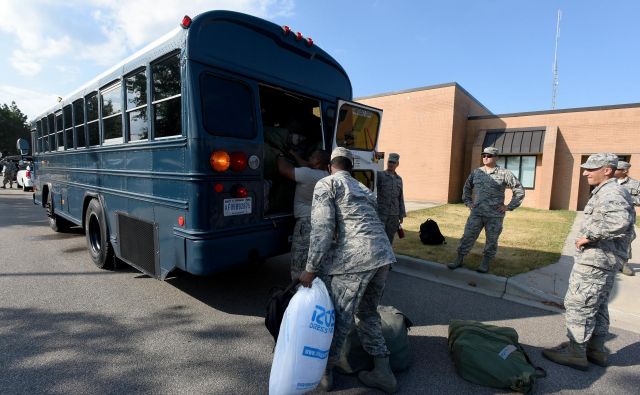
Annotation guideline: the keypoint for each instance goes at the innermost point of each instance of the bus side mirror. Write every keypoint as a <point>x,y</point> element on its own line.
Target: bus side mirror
<point>23,146</point>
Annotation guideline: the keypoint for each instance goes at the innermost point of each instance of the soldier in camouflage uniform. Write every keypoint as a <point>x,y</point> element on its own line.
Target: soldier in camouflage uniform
<point>10,171</point>
<point>633,186</point>
<point>601,248</point>
<point>390,197</point>
<point>488,210</point>
<point>305,177</point>
<point>345,210</point>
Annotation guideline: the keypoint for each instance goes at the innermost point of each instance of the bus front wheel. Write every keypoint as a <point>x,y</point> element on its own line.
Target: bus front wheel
<point>97,236</point>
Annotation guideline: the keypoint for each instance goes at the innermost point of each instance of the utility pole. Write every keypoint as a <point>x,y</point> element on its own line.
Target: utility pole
<point>555,64</point>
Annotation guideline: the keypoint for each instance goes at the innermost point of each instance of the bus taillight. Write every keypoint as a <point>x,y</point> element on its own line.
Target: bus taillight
<point>238,161</point>
<point>218,187</point>
<point>220,160</point>
<point>238,191</point>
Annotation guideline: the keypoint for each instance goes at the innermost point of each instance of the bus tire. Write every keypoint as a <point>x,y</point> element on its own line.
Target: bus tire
<point>97,236</point>
<point>56,223</point>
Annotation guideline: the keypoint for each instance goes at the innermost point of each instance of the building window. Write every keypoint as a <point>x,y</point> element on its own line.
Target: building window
<point>523,167</point>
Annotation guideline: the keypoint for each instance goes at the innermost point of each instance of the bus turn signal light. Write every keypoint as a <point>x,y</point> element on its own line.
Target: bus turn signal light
<point>238,161</point>
<point>220,161</point>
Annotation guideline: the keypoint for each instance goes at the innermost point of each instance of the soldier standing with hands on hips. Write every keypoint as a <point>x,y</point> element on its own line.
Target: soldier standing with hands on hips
<point>390,197</point>
<point>601,248</point>
<point>488,210</point>
<point>633,186</point>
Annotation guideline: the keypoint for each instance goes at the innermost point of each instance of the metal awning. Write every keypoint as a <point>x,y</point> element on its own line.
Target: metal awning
<point>515,141</point>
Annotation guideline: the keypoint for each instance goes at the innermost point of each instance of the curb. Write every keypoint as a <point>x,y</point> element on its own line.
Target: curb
<point>487,284</point>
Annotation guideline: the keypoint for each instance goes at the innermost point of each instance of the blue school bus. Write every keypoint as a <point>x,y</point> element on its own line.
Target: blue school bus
<point>168,159</point>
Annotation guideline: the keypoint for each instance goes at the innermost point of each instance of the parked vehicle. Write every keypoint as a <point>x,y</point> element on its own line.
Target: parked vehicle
<point>24,178</point>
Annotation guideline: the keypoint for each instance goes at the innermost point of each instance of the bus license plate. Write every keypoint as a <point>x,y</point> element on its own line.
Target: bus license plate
<point>237,206</point>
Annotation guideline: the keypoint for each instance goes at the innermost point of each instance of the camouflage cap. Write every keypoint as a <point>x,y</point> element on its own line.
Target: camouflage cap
<point>393,157</point>
<point>341,151</point>
<point>622,165</point>
<point>602,159</point>
<point>491,151</point>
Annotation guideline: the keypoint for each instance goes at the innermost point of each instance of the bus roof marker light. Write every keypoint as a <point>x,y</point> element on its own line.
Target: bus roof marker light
<point>299,36</point>
<point>309,41</point>
<point>219,161</point>
<point>286,30</point>
<point>186,22</point>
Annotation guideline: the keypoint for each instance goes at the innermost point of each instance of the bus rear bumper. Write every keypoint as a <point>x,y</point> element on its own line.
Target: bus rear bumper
<point>208,256</point>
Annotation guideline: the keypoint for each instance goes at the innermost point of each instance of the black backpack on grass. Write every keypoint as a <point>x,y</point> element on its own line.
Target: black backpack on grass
<point>430,233</point>
<point>279,299</point>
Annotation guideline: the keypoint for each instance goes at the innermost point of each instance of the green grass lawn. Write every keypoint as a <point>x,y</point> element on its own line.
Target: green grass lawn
<point>530,239</point>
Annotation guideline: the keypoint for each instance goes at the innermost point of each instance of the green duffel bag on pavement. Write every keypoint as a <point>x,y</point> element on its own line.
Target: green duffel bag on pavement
<point>491,355</point>
<point>395,328</point>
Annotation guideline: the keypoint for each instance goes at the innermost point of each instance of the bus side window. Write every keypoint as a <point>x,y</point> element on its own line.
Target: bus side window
<point>166,97</point>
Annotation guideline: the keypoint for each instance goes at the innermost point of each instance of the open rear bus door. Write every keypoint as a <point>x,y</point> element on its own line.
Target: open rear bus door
<point>357,128</point>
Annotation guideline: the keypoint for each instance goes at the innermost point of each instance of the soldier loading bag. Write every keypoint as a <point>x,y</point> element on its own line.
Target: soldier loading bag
<point>491,355</point>
<point>430,233</point>
<point>395,328</point>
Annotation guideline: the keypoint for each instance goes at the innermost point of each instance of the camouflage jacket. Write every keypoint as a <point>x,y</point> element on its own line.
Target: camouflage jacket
<point>633,186</point>
<point>390,196</point>
<point>489,191</point>
<point>609,220</point>
<point>344,210</point>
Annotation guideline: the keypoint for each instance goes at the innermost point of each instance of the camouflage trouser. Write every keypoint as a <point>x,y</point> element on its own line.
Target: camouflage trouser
<point>358,294</point>
<point>492,229</point>
<point>587,301</point>
<point>300,251</point>
<point>391,224</point>
<point>300,246</point>
<point>8,179</point>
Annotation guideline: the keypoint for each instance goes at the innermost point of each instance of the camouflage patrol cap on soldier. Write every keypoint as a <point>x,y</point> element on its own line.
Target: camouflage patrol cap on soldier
<point>491,151</point>
<point>393,157</point>
<point>622,165</point>
<point>602,159</point>
<point>341,151</point>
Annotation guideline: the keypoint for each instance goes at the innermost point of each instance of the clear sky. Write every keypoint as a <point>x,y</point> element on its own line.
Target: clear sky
<point>500,51</point>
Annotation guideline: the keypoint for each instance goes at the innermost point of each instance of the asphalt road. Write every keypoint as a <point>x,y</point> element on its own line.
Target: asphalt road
<point>67,327</point>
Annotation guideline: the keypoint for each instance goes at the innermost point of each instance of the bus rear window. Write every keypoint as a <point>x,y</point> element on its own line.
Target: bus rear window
<point>227,107</point>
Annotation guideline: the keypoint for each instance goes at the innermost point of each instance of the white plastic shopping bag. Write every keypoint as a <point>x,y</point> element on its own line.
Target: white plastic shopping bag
<point>302,349</point>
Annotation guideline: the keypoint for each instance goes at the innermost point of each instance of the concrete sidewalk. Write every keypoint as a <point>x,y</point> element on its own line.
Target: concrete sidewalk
<point>543,288</point>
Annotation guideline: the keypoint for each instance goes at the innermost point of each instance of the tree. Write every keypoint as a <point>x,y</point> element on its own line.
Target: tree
<point>13,125</point>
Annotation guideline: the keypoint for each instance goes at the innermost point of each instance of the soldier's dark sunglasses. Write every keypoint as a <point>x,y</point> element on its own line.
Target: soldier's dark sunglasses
<point>487,156</point>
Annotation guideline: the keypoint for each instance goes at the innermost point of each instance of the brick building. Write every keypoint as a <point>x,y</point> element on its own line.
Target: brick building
<point>440,131</point>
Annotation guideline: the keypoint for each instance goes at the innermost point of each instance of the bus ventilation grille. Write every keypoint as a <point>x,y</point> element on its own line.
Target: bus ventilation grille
<point>137,243</point>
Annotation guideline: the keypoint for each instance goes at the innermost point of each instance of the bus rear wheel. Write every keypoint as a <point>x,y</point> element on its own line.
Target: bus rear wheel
<point>56,223</point>
<point>97,235</point>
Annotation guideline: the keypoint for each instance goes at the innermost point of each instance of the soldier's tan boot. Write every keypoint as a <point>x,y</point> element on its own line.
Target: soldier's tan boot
<point>484,266</point>
<point>570,353</point>
<point>326,382</point>
<point>596,351</point>
<point>626,270</point>
<point>380,377</point>
<point>457,263</point>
